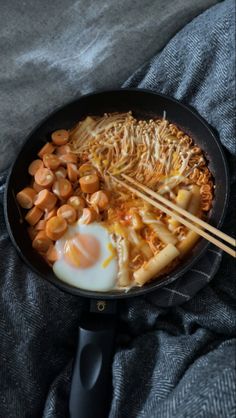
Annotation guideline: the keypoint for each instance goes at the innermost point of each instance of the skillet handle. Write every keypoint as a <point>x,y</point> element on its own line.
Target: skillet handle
<point>91,387</point>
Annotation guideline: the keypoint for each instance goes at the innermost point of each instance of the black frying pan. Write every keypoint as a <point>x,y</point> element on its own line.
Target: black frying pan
<point>91,382</point>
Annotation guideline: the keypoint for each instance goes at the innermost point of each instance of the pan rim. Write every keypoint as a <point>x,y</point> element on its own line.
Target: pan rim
<point>151,287</point>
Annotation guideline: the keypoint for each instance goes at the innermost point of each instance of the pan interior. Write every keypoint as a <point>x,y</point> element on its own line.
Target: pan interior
<point>143,104</point>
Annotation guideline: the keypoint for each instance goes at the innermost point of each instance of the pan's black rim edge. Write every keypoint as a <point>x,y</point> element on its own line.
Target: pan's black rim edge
<point>136,291</point>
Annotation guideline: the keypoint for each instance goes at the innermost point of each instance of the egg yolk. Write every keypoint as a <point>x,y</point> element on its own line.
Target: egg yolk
<point>82,250</point>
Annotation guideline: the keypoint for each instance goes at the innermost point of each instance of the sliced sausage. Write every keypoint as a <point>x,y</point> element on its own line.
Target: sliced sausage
<point>90,183</point>
<point>56,227</point>
<point>41,242</point>
<point>72,172</point>
<point>68,213</point>
<point>49,214</point>
<point>37,187</point>
<point>45,200</point>
<point>62,188</point>
<point>77,202</point>
<point>34,166</point>
<point>52,254</point>
<point>64,149</point>
<point>60,137</point>
<point>25,197</point>
<point>89,215</point>
<point>100,199</point>
<point>34,215</point>
<point>48,148</point>
<point>40,226</point>
<point>44,177</point>
<point>51,161</point>
<point>86,169</point>
<point>60,173</point>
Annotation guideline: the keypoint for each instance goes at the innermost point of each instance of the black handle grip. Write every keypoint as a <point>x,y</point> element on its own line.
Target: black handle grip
<point>91,388</point>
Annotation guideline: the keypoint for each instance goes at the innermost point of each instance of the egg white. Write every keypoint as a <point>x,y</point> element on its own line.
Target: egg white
<point>94,278</point>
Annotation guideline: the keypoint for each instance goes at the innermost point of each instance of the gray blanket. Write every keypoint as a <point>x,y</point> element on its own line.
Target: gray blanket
<point>177,361</point>
<point>53,51</point>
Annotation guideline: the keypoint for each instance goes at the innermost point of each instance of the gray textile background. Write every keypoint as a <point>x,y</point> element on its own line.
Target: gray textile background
<point>52,51</point>
<point>179,361</point>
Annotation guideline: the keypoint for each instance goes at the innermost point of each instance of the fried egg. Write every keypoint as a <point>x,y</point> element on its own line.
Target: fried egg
<point>87,258</point>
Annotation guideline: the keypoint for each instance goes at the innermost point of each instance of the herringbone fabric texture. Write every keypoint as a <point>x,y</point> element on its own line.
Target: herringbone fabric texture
<point>173,361</point>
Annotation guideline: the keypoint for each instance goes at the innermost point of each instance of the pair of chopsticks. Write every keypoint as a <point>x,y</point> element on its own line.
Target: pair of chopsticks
<point>175,212</point>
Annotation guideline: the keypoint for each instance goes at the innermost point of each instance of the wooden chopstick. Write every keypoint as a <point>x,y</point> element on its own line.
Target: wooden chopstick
<point>183,212</point>
<point>174,215</point>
